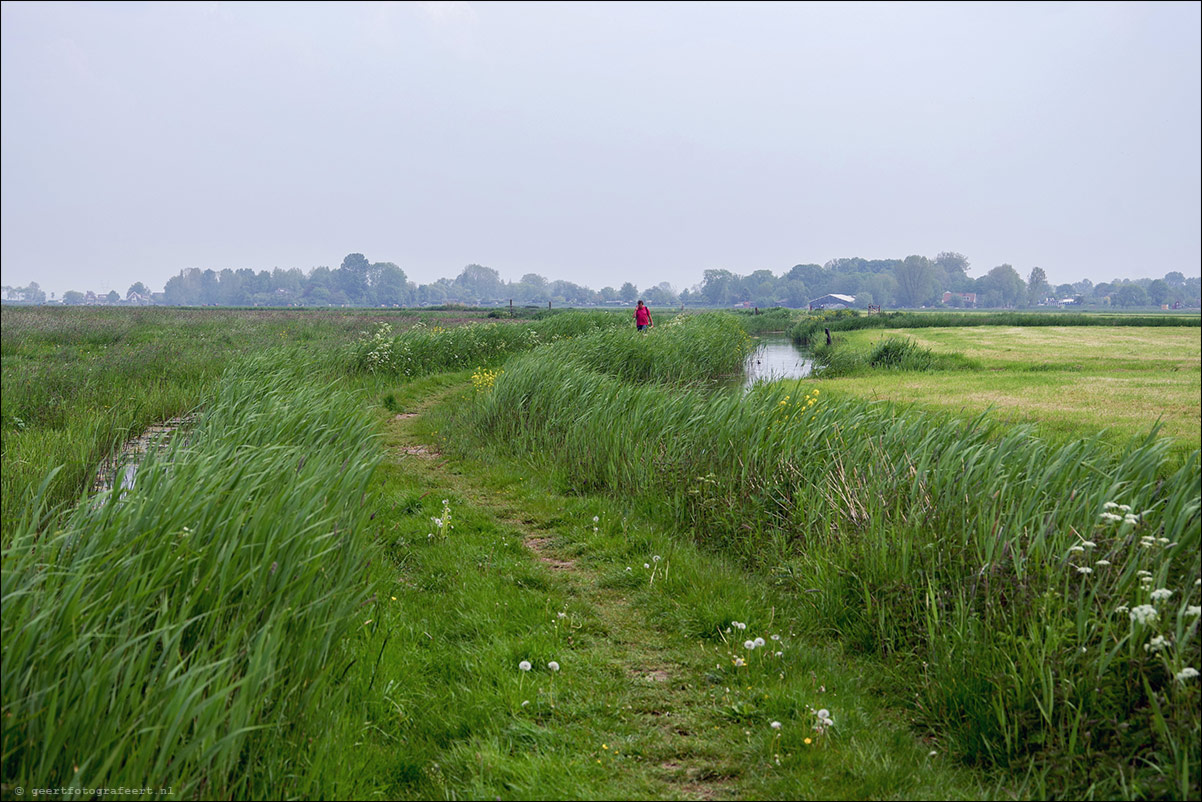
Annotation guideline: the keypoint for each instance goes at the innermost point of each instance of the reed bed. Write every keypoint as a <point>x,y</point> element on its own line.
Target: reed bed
<point>425,349</point>
<point>696,349</point>
<point>1040,600</point>
<point>183,633</point>
<point>79,381</point>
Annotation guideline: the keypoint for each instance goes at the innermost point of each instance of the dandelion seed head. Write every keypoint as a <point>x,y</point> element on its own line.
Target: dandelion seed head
<point>554,666</point>
<point>759,642</point>
<point>749,644</point>
<point>524,665</point>
<point>776,725</point>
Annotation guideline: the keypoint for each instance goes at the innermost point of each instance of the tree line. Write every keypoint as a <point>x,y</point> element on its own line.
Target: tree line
<point>913,282</point>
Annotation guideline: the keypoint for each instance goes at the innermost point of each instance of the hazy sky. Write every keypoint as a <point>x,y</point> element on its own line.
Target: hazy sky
<point>597,142</point>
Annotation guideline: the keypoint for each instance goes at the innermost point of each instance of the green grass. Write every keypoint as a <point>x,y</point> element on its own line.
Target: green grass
<point>648,702</point>
<point>1072,382</point>
<point>274,612</point>
<point>187,632</point>
<point>940,542</point>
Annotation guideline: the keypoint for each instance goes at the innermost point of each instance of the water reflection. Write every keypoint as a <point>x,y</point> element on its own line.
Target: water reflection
<point>776,357</point>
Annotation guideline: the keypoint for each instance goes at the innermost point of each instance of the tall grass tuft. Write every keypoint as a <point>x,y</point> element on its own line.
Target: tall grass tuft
<point>1042,599</point>
<point>427,349</point>
<point>183,633</point>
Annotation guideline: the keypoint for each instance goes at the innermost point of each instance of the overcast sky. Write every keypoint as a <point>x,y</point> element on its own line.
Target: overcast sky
<point>597,142</point>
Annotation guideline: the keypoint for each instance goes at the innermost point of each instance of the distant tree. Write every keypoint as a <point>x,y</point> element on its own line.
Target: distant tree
<point>73,297</point>
<point>113,297</point>
<point>1063,291</point>
<point>662,295</point>
<point>477,283</point>
<point>1130,295</point>
<point>761,288</point>
<point>1001,287</point>
<point>954,265</point>
<point>531,289</point>
<point>352,278</point>
<point>1037,286</point>
<point>137,287</point>
<point>628,293</point>
<point>389,285</point>
<point>719,287</point>
<point>882,287</point>
<point>795,293</point>
<point>915,281</point>
<point>608,294</point>
<point>33,294</point>
<point>1174,279</point>
<point>1159,292</point>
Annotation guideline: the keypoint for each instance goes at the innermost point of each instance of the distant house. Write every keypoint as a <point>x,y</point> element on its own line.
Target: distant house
<point>966,298</point>
<point>832,301</point>
<point>137,298</point>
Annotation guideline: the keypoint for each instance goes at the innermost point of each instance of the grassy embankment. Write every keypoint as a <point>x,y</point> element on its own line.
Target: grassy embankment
<point>987,565</point>
<point>466,608</point>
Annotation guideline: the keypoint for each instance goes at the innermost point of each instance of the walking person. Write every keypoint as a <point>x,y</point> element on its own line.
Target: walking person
<point>642,316</point>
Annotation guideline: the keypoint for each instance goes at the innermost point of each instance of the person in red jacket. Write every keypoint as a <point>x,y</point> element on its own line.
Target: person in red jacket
<point>642,316</point>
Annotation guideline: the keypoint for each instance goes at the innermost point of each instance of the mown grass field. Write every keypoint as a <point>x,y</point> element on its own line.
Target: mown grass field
<point>352,576</point>
<point>1072,380</point>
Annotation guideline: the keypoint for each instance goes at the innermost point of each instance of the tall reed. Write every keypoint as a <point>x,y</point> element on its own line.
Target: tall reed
<point>183,633</point>
<point>1041,624</point>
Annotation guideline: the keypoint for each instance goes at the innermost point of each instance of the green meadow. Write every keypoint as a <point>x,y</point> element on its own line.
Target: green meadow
<point>1073,380</point>
<point>444,555</point>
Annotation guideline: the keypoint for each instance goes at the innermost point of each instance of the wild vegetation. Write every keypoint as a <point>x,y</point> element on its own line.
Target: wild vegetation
<point>557,559</point>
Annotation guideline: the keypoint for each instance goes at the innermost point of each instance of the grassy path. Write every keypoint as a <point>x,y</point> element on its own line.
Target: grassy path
<point>656,695</point>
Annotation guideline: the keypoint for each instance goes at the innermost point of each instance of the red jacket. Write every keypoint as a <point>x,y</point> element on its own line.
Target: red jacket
<point>642,316</point>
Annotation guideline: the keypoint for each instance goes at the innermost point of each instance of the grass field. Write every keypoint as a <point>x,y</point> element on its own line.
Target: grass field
<point>333,587</point>
<point>1069,380</point>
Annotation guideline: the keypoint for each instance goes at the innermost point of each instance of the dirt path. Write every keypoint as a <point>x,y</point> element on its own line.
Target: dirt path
<point>661,696</point>
<point>661,672</point>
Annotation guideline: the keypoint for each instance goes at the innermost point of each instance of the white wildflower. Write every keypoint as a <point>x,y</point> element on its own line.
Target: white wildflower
<point>776,725</point>
<point>1084,569</point>
<point>1111,517</point>
<point>1193,611</point>
<point>1076,549</point>
<point>759,642</point>
<point>1189,672</point>
<point>1144,614</point>
<point>1089,544</point>
<point>1157,644</point>
<point>524,665</point>
<point>1102,562</point>
<point>776,637</point>
<point>749,644</point>
<point>554,666</point>
<point>1161,594</point>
